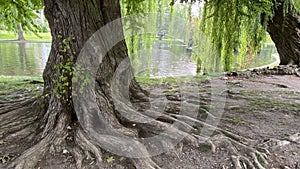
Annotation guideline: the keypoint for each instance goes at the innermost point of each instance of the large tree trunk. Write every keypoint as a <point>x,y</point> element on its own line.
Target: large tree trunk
<point>72,23</point>
<point>284,29</point>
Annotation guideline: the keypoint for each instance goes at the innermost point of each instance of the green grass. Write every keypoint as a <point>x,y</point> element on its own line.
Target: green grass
<point>260,100</point>
<point>13,87</point>
<point>236,121</point>
<point>5,35</point>
<point>17,79</point>
<point>170,80</point>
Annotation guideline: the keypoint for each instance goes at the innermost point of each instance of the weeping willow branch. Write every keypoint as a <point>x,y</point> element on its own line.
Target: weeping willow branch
<point>236,27</point>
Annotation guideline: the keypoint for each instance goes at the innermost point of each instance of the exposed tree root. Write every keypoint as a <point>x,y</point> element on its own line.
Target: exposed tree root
<point>89,147</point>
<point>31,156</point>
<point>147,163</point>
<point>48,135</point>
<point>11,105</point>
<point>52,134</point>
<point>243,156</point>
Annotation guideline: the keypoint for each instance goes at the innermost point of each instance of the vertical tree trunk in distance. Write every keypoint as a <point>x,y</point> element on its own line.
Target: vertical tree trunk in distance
<point>20,33</point>
<point>284,29</point>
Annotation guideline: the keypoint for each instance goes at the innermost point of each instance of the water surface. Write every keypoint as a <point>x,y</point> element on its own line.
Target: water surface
<point>161,60</point>
<point>23,59</point>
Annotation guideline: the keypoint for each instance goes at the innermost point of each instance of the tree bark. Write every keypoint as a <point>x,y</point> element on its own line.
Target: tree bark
<point>72,23</point>
<point>20,33</point>
<point>284,29</point>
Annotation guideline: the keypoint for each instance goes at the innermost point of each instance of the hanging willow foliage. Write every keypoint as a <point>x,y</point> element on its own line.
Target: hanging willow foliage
<point>135,26</point>
<point>132,25</point>
<point>238,27</point>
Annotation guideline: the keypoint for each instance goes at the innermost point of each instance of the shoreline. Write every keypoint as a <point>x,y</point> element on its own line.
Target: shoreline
<point>25,41</point>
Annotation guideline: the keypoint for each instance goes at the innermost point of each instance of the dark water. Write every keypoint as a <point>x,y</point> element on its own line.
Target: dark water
<point>23,59</point>
<point>162,60</point>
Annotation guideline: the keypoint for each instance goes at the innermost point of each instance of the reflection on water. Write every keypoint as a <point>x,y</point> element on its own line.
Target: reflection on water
<point>163,60</point>
<point>160,60</point>
<point>23,59</point>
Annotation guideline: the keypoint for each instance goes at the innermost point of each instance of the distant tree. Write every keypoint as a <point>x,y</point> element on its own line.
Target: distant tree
<point>15,13</point>
<point>20,33</point>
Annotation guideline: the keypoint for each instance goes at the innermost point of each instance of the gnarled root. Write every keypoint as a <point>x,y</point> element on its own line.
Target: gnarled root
<point>54,124</point>
<point>53,134</point>
<point>242,156</point>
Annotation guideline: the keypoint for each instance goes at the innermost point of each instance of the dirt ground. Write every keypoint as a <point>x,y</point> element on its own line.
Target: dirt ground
<point>261,108</point>
<point>264,109</point>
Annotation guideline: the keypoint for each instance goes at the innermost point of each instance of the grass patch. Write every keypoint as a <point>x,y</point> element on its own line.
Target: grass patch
<point>271,104</point>
<point>16,87</point>
<point>170,40</point>
<point>5,35</point>
<point>262,100</point>
<point>261,161</point>
<point>17,79</point>
<point>203,110</point>
<point>170,92</point>
<point>171,80</point>
<point>236,121</point>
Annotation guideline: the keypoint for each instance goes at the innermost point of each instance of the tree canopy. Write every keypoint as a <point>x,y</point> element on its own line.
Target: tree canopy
<point>237,28</point>
<point>24,12</point>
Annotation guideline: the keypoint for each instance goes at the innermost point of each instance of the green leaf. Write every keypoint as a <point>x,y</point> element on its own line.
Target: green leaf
<point>110,159</point>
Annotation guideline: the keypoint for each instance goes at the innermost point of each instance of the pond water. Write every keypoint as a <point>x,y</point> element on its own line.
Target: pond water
<point>162,60</point>
<point>165,60</point>
<point>23,59</point>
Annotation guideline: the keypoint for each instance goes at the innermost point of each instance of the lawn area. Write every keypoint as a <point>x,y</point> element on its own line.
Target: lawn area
<point>20,87</point>
<point>5,35</point>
